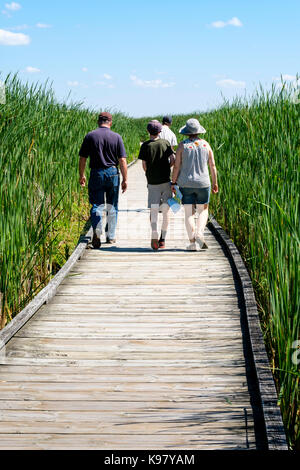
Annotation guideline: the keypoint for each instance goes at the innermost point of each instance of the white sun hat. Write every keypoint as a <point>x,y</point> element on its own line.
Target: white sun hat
<point>192,126</point>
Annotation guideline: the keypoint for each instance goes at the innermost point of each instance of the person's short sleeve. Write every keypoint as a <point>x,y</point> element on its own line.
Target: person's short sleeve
<point>142,154</point>
<point>169,151</point>
<point>121,149</point>
<point>174,140</point>
<point>85,148</point>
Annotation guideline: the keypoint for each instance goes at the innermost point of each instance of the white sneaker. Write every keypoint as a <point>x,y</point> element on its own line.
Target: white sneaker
<point>201,243</point>
<point>192,247</point>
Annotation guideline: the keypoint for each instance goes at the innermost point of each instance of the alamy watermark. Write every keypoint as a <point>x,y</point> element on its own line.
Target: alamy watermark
<point>2,93</point>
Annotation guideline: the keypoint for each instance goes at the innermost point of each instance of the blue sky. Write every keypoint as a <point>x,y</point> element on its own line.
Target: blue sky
<point>148,58</point>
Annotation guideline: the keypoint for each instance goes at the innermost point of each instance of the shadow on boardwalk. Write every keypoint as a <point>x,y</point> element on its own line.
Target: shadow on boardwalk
<point>116,249</point>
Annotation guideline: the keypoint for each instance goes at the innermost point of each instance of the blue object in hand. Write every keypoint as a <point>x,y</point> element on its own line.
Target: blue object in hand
<point>178,194</point>
<point>174,205</point>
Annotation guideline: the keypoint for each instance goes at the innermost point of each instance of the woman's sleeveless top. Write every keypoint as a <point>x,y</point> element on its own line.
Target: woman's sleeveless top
<point>194,169</point>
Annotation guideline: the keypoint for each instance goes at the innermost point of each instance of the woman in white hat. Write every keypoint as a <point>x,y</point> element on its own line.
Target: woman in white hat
<point>193,157</point>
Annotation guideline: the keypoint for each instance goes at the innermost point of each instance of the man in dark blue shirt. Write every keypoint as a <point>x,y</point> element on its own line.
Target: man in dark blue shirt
<point>106,151</point>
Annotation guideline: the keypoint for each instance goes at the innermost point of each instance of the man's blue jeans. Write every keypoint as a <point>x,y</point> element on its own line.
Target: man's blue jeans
<point>104,185</point>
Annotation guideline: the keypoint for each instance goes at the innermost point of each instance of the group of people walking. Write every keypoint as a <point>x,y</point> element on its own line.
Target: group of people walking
<point>191,163</point>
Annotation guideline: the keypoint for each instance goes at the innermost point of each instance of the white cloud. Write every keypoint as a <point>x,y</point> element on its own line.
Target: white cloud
<point>13,6</point>
<point>285,78</point>
<point>30,69</point>
<point>13,39</point>
<point>229,83</point>
<point>292,79</point>
<point>43,25</point>
<point>84,69</point>
<point>21,27</point>
<point>104,84</point>
<point>73,84</point>
<point>233,22</point>
<point>218,24</point>
<point>151,83</point>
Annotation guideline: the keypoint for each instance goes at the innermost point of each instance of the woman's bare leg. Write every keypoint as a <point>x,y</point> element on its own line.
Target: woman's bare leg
<point>202,210</point>
<point>190,222</point>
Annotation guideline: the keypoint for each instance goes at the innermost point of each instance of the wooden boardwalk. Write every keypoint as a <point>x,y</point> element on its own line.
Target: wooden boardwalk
<point>137,350</point>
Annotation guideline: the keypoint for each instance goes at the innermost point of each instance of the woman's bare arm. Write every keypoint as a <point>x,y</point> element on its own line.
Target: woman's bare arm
<point>178,161</point>
<point>213,171</point>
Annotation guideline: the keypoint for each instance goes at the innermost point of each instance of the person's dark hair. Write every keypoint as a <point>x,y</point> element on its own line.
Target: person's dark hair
<point>167,120</point>
<point>104,117</point>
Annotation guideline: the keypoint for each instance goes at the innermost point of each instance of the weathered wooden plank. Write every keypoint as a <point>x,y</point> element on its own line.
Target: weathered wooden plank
<point>126,310</point>
<point>74,318</point>
<point>233,418</point>
<point>42,329</point>
<point>125,370</point>
<point>232,376</point>
<point>216,405</point>
<point>111,282</point>
<point>129,362</point>
<point>153,387</point>
<point>124,269</point>
<point>144,345</point>
<point>230,427</point>
<point>124,442</point>
<point>142,274</point>
<point>226,353</point>
<point>146,321</point>
<point>149,299</point>
<point>233,394</point>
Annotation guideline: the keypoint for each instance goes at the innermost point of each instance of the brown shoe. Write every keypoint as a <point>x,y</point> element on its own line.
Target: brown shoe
<point>96,242</point>
<point>154,244</point>
<point>162,244</point>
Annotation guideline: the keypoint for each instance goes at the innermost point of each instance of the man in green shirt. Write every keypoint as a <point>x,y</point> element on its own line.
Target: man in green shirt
<point>158,158</point>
